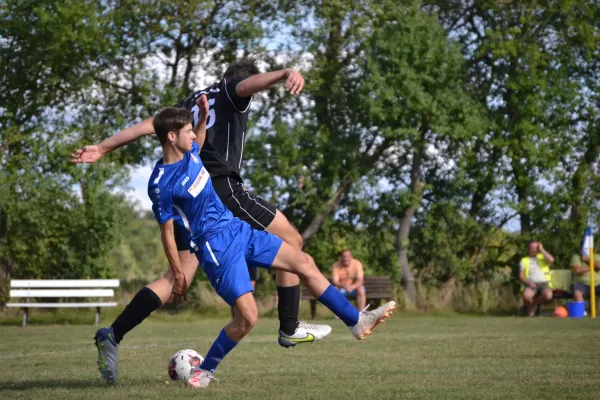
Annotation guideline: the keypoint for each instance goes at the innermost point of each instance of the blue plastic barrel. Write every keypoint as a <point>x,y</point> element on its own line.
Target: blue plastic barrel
<point>576,309</point>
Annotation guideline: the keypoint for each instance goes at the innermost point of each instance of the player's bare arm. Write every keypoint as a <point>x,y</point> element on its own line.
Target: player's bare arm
<point>92,153</point>
<point>167,237</point>
<point>294,82</point>
<point>200,127</point>
<point>547,256</point>
<point>335,275</point>
<point>525,281</point>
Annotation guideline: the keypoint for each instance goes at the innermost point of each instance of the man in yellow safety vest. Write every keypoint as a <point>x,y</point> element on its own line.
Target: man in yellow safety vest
<point>535,276</point>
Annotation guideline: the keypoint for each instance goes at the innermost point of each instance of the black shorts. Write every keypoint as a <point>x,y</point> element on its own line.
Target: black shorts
<point>253,210</point>
<point>253,271</point>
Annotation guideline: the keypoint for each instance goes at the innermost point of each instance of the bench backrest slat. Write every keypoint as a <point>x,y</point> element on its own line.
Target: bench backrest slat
<point>377,287</point>
<point>62,293</point>
<point>65,283</point>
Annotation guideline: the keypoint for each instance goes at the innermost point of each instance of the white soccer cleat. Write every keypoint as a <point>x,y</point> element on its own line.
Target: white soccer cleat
<point>367,320</point>
<point>318,331</point>
<point>200,379</point>
<point>305,333</point>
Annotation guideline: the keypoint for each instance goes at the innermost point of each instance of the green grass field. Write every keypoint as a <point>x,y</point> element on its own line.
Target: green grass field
<point>408,357</point>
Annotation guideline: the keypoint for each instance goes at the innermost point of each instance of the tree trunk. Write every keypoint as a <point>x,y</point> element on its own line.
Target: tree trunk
<point>577,191</point>
<point>524,215</point>
<point>578,186</point>
<point>402,238</point>
<point>317,221</point>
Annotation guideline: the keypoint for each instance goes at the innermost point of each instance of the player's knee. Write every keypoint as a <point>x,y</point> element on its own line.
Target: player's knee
<point>306,265</point>
<point>547,295</point>
<point>246,320</point>
<point>249,321</point>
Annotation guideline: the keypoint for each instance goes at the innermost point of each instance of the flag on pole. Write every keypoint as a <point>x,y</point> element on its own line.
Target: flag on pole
<point>588,242</point>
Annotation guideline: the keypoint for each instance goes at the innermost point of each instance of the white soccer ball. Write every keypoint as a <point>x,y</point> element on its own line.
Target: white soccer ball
<point>182,363</point>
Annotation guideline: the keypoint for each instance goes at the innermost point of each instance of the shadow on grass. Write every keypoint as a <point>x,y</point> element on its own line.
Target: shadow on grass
<point>51,384</point>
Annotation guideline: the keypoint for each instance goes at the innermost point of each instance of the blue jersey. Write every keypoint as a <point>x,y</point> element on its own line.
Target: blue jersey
<point>183,192</point>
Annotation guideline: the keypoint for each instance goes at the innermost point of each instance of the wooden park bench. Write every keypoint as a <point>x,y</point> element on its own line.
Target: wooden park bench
<point>66,288</point>
<point>377,288</point>
<point>561,282</point>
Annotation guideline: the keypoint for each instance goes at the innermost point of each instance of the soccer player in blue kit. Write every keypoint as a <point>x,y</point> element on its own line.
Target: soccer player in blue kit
<point>225,246</point>
<point>229,102</point>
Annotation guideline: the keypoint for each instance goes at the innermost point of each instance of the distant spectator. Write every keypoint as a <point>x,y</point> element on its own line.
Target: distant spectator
<point>581,282</point>
<point>535,276</point>
<point>348,276</point>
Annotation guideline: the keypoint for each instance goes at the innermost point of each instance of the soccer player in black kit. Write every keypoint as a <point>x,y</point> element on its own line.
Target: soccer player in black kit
<point>222,154</point>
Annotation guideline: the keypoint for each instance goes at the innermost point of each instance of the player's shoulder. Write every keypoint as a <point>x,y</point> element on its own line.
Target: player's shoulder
<point>210,91</point>
<point>157,179</point>
<point>195,153</point>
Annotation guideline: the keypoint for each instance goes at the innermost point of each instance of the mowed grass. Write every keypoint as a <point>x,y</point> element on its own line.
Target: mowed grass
<point>408,357</point>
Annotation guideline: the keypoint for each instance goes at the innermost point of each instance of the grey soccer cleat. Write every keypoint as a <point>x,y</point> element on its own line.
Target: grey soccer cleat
<point>108,354</point>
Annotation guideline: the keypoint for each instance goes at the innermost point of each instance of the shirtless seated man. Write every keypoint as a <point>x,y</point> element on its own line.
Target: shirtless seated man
<point>348,276</point>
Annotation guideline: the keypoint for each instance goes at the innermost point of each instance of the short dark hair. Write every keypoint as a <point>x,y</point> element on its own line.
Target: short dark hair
<point>170,119</point>
<point>244,68</point>
<point>345,250</point>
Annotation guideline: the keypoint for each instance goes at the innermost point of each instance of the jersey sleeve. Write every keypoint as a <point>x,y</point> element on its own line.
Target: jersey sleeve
<point>162,203</point>
<point>241,104</point>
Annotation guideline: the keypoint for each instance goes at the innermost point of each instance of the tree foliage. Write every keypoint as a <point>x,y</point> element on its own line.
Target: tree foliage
<point>433,137</point>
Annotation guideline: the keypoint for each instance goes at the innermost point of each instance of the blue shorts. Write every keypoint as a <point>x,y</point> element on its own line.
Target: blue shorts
<point>226,256</point>
<point>347,294</point>
<point>183,239</point>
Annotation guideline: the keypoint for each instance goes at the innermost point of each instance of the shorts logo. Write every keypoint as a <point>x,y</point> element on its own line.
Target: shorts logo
<point>187,178</point>
<point>199,182</point>
<point>194,158</point>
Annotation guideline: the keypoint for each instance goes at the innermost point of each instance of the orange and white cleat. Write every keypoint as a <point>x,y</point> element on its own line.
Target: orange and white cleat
<point>200,379</point>
<point>368,320</point>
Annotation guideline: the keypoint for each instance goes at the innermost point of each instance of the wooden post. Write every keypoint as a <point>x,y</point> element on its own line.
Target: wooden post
<point>313,308</point>
<point>26,314</point>
<point>98,314</point>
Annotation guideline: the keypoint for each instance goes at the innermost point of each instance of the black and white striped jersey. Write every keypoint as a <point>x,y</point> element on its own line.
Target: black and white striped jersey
<point>223,148</point>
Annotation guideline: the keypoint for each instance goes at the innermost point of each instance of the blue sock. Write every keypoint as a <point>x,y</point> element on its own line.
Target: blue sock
<point>218,351</point>
<point>336,302</point>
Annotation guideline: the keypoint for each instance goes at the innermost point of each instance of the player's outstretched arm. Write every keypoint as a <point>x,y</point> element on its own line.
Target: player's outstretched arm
<point>92,153</point>
<point>167,237</point>
<point>294,82</point>
<point>200,127</point>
